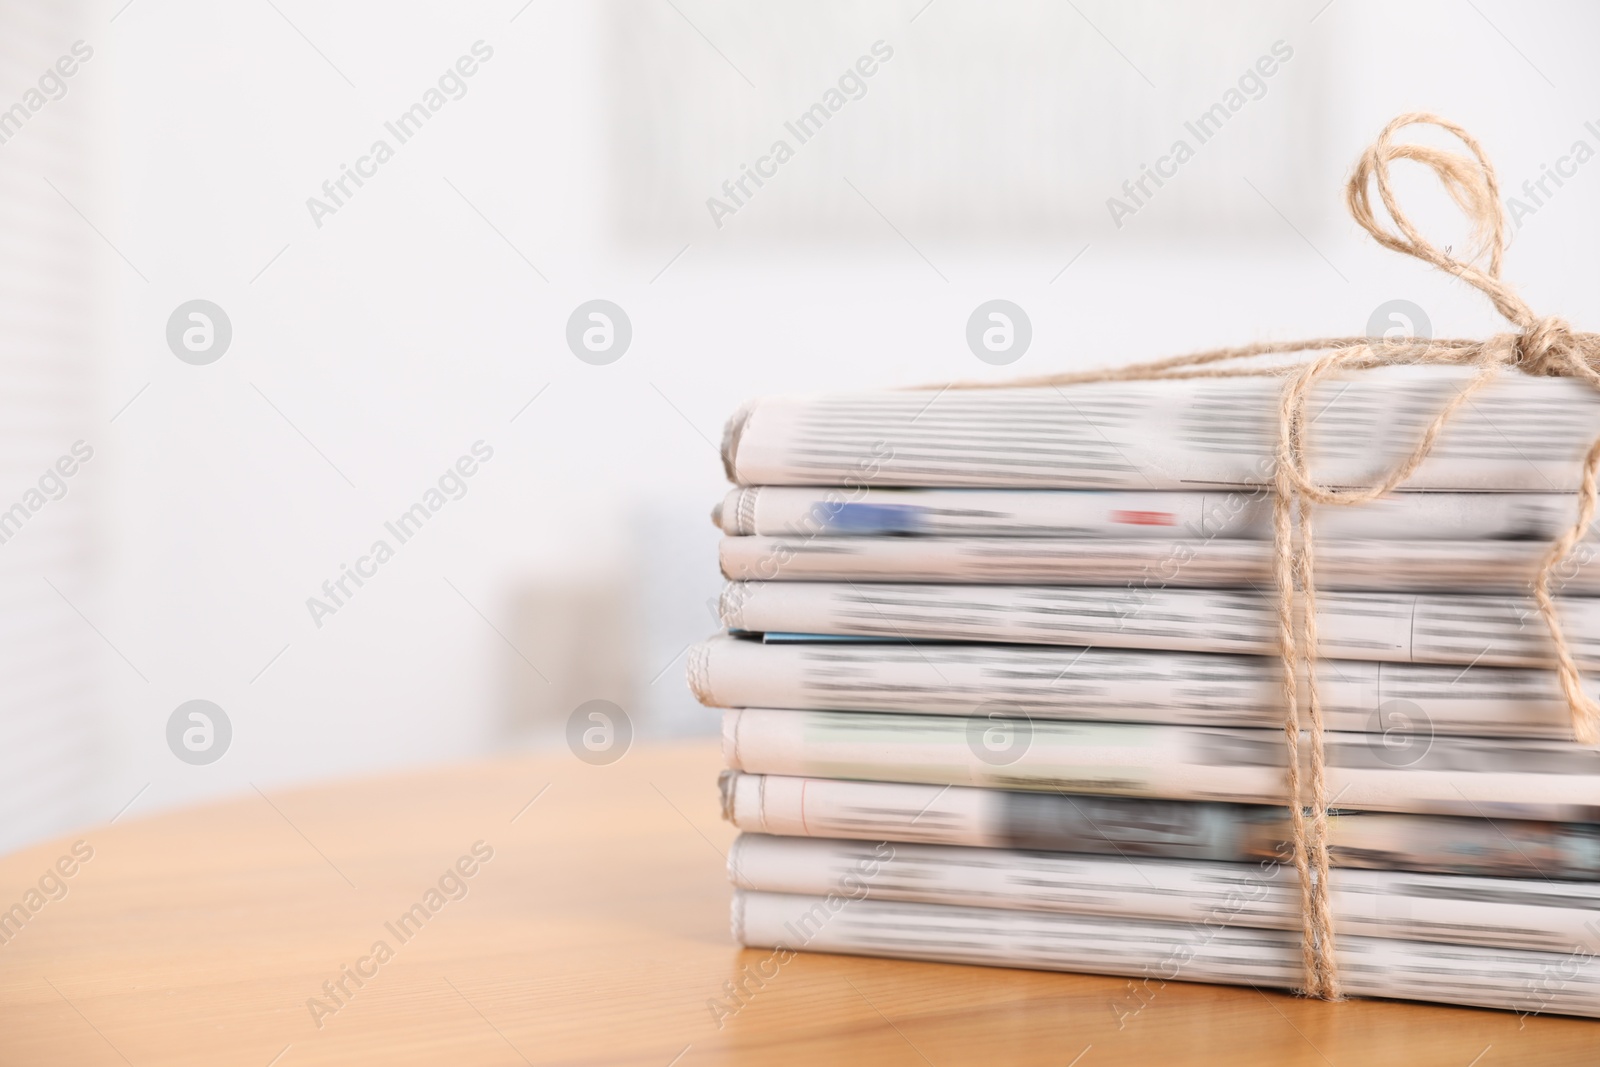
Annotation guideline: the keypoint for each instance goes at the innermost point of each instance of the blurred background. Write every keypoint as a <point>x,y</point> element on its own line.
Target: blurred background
<point>358,341</point>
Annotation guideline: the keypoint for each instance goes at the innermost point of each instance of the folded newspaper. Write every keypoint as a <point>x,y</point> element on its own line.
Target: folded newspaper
<point>1528,982</point>
<point>1527,914</point>
<point>1380,566</point>
<point>1497,778</point>
<point>1520,433</point>
<point>858,511</point>
<point>1406,703</point>
<point>1387,628</point>
<point>1135,828</point>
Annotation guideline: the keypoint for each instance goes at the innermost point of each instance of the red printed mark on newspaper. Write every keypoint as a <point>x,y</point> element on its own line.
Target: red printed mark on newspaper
<point>1145,518</point>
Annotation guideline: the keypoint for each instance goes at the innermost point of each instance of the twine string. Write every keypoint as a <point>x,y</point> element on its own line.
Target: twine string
<point>1543,347</point>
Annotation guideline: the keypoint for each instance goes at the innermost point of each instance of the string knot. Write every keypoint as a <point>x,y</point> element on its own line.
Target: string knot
<point>1547,348</point>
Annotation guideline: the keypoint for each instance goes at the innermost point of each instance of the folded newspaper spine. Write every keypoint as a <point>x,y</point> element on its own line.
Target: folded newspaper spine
<point>840,511</point>
<point>1407,705</point>
<point>1525,915</point>
<point>1489,777</point>
<point>1126,828</point>
<point>1519,434</point>
<point>1091,672</point>
<point>1522,981</point>
<point>1386,628</point>
<point>1381,566</point>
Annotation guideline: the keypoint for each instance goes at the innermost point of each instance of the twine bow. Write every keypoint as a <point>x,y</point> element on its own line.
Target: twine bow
<point>1544,347</point>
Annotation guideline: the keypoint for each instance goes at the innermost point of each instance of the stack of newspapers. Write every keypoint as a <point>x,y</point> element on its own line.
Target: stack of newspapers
<point>1002,684</point>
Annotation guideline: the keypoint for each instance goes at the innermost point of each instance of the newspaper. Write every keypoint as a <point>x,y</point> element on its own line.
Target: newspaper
<point>1492,912</point>
<point>1519,434</point>
<point>1380,566</point>
<point>838,511</point>
<point>1136,828</point>
<point>1406,703</point>
<point>1390,628</point>
<point>1488,777</point>
<point>1524,981</point>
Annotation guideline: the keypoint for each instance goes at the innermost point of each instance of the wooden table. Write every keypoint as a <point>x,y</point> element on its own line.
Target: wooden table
<point>597,933</point>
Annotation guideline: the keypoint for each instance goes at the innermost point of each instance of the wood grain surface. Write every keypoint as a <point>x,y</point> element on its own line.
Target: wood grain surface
<point>596,933</point>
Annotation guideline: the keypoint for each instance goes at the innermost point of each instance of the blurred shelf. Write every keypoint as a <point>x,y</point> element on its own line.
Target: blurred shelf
<point>597,933</point>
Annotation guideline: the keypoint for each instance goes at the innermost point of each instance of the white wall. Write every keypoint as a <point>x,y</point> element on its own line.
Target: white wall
<point>406,327</point>
<point>52,753</point>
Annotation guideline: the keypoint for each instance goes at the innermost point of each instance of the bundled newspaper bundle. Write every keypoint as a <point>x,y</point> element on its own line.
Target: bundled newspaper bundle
<point>1002,685</point>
